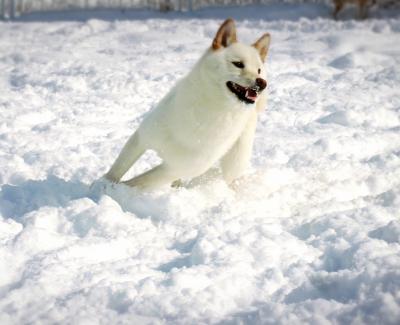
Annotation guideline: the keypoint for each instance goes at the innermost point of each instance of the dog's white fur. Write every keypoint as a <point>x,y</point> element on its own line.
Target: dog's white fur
<point>200,121</point>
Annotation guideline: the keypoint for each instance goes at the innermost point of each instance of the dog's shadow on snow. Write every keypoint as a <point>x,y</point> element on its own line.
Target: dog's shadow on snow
<point>17,200</point>
<point>31,195</point>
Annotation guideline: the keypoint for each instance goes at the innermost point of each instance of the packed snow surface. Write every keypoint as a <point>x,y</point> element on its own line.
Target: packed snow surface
<point>312,235</point>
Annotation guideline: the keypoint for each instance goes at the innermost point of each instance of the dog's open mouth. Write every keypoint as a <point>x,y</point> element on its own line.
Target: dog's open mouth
<point>245,94</point>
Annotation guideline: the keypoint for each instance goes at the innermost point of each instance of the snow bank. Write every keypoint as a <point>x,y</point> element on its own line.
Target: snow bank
<point>311,236</point>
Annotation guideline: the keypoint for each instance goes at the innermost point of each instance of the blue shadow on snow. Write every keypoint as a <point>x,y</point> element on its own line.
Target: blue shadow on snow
<point>17,200</point>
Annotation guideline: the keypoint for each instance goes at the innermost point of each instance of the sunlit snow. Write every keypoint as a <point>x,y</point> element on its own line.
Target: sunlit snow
<point>311,236</point>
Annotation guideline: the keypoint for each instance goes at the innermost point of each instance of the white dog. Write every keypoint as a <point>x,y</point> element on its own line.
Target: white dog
<point>208,116</point>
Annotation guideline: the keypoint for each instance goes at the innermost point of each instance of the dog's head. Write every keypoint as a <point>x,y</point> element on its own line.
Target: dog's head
<point>239,67</point>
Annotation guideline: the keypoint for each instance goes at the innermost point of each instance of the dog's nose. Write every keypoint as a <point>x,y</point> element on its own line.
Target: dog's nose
<point>261,83</point>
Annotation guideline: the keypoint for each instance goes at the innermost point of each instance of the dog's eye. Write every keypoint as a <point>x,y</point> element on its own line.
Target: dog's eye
<point>259,71</point>
<point>238,64</point>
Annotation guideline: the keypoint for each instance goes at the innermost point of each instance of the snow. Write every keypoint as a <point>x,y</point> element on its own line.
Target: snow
<point>311,236</point>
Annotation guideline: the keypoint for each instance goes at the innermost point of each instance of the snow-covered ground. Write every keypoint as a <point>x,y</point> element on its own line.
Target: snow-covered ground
<point>313,234</point>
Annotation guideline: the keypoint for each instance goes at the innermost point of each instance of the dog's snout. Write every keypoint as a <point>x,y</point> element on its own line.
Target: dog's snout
<point>261,83</point>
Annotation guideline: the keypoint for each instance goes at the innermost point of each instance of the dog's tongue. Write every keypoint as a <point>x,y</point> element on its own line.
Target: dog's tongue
<point>251,94</point>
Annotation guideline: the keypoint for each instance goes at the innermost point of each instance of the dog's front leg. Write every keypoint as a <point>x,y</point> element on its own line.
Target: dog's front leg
<point>131,152</point>
<point>235,161</point>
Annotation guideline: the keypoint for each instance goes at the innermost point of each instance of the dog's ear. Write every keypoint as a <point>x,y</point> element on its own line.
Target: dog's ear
<point>262,45</point>
<point>226,35</point>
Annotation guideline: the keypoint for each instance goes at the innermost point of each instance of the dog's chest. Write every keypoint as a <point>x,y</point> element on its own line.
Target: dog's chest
<point>214,129</point>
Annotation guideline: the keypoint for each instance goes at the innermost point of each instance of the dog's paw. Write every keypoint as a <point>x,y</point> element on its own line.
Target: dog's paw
<point>177,184</point>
